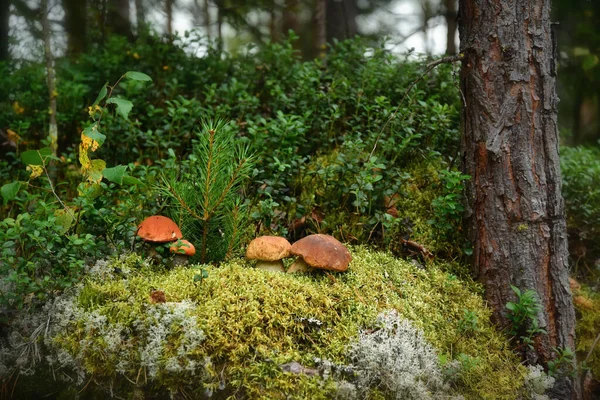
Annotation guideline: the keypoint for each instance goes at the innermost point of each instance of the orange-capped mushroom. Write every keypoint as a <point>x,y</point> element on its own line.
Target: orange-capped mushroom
<point>183,250</point>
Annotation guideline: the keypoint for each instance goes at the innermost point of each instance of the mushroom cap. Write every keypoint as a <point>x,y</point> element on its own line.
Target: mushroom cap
<point>159,229</point>
<point>323,252</point>
<point>268,248</point>
<point>183,247</point>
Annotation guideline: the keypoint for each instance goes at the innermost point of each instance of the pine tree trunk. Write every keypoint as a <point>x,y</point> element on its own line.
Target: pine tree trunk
<point>516,215</point>
<point>320,28</point>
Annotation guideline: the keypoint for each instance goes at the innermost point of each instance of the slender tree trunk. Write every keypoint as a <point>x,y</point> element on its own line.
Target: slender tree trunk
<point>289,18</point>
<point>219,27</point>
<point>450,15</point>
<point>140,16</point>
<point>117,18</point>
<point>274,23</point>
<point>75,26</point>
<point>516,215</point>
<point>207,18</point>
<point>50,79</point>
<point>321,28</point>
<point>169,11</point>
<point>4,30</point>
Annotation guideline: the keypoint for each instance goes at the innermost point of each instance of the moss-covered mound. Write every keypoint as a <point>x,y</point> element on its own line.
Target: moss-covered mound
<point>232,332</point>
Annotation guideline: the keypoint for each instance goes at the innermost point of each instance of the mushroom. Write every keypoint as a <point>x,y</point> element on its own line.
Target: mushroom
<point>321,252</point>
<point>269,251</point>
<point>158,229</point>
<point>183,250</point>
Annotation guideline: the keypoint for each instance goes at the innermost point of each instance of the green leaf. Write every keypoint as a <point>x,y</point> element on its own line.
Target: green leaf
<point>123,106</point>
<point>98,166</point>
<point>64,220</point>
<point>138,76</point>
<point>130,180</point>
<point>92,132</point>
<point>10,190</point>
<point>101,94</point>
<point>115,174</point>
<point>35,157</point>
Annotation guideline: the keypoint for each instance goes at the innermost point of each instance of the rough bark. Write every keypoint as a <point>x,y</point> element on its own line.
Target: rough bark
<point>75,26</point>
<point>515,212</point>
<point>4,30</point>
<point>450,15</point>
<point>117,19</point>
<point>341,19</point>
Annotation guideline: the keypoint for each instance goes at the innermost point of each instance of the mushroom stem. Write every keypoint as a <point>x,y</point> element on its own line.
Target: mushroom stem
<point>299,266</point>
<point>273,266</point>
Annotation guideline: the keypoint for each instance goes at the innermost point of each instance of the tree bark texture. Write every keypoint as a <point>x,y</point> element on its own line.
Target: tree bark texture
<point>75,25</point>
<point>515,211</point>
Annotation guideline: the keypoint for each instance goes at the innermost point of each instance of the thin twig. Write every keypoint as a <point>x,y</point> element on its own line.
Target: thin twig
<point>52,188</point>
<point>428,68</point>
<point>589,354</point>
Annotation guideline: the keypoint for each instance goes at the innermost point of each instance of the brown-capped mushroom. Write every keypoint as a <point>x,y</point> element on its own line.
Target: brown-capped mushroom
<point>321,252</point>
<point>269,251</point>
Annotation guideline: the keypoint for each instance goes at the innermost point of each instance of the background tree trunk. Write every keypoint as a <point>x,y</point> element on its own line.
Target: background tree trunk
<point>515,214</point>
<point>169,11</point>
<point>320,21</point>
<point>50,78</point>
<point>140,16</point>
<point>341,19</point>
<point>117,19</point>
<point>4,30</point>
<point>450,15</point>
<point>75,26</point>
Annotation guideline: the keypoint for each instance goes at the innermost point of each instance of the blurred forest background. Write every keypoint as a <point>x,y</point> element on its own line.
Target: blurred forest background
<point>423,26</point>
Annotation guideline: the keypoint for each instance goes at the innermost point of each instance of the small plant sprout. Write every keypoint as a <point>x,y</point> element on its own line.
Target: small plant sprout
<point>523,316</point>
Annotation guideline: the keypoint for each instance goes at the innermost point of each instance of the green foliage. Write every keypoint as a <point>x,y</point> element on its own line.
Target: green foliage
<point>523,316</point>
<point>203,191</point>
<point>564,363</point>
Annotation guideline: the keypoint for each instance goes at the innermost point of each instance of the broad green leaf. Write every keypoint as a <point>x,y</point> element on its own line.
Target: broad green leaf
<point>101,95</point>
<point>123,106</point>
<point>92,132</point>
<point>95,173</point>
<point>35,157</point>
<point>64,220</point>
<point>10,190</point>
<point>138,76</point>
<point>130,180</point>
<point>115,174</point>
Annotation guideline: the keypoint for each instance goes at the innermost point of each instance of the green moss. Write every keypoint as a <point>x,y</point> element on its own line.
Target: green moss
<point>588,323</point>
<point>254,321</point>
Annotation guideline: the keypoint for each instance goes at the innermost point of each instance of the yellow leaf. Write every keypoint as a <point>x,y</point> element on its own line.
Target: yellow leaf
<point>36,170</point>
